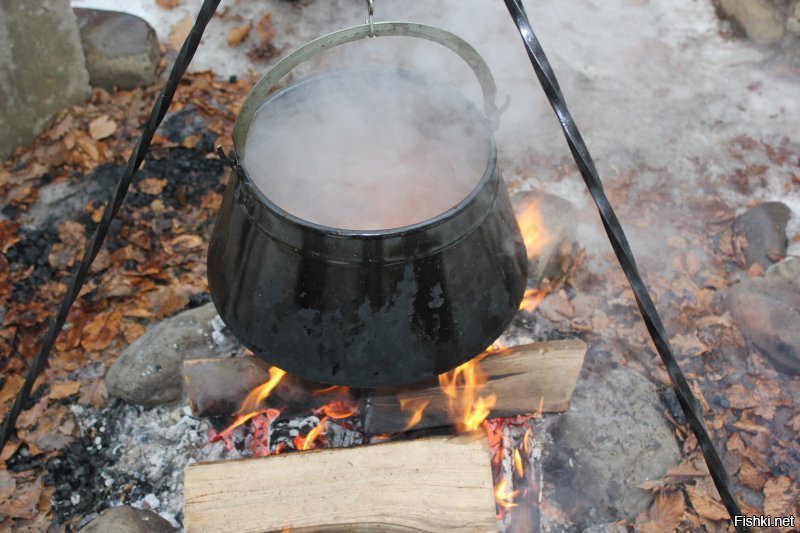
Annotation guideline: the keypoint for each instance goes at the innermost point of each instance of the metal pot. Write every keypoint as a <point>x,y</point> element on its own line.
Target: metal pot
<point>368,308</point>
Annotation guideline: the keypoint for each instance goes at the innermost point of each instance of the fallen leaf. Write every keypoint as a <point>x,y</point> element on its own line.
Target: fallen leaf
<point>751,476</point>
<point>179,33</point>
<point>53,430</point>
<point>89,147</point>
<point>64,389</point>
<point>706,504</point>
<point>265,30</point>
<point>168,4</point>
<point>778,496</point>
<point>22,504</point>
<point>666,512</point>
<point>152,186</point>
<point>102,127</point>
<point>94,393</point>
<point>101,331</point>
<point>8,235</point>
<point>238,34</point>
<point>29,417</point>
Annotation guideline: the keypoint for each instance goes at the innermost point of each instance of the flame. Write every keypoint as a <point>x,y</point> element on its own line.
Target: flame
<point>526,438</point>
<point>518,466</point>
<point>532,298</point>
<point>338,410</point>
<point>539,409</point>
<point>504,496</point>
<point>417,407</point>
<point>462,387</point>
<point>250,406</point>
<point>307,442</point>
<point>531,225</point>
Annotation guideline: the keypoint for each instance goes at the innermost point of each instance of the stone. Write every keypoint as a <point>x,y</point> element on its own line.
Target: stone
<point>767,310</point>
<point>613,438</point>
<point>763,228</point>
<point>126,519</point>
<point>42,68</point>
<point>761,21</point>
<point>793,20</point>
<point>148,371</point>
<point>553,227</point>
<point>121,49</point>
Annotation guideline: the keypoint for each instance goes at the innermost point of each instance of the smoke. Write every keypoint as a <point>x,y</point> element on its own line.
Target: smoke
<point>367,149</point>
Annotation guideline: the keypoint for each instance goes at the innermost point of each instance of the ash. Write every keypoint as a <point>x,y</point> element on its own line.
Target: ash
<point>127,455</point>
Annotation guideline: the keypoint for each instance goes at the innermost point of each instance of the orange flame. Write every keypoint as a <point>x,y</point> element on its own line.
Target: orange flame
<point>307,442</point>
<point>250,406</point>
<point>532,298</point>
<point>462,387</point>
<point>526,438</point>
<point>518,466</point>
<point>338,410</point>
<point>504,496</point>
<point>531,225</point>
<point>417,407</point>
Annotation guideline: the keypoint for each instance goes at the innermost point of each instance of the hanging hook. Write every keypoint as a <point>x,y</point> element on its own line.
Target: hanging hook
<point>370,12</point>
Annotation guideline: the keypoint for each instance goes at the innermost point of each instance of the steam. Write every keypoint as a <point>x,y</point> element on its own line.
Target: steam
<point>367,149</point>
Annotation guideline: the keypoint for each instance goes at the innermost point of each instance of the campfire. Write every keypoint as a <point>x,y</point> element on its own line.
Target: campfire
<point>491,398</point>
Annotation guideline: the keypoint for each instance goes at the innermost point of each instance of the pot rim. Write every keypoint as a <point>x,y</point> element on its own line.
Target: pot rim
<point>417,227</point>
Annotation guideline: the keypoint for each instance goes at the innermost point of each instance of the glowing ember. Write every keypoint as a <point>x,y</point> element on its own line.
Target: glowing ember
<point>251,404</point>
<point>526,438</point>
<point>307,442</point>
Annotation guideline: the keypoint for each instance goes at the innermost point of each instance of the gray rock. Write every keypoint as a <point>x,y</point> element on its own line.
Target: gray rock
<point>121,49</point>
<point>42,69</point>
<point>613,438</point>
<point>148,372</point>
<point>764,230</point>
<point>126,519</point>
<point>767,311</point>
<point>761,21</point>
<point>558,218</point>
<point>793,21</point>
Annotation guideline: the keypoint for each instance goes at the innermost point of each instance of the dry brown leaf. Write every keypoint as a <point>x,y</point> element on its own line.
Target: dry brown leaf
<point>179,33</point>
<point>102,127</point>
<point>168,4</point>
<point>101,331</point>
<point>11,385</point>
<point>94,393</point>
<point>8,235</point>
<point>705,502</point>
<point>779,496</point>
<point>751,476</point>
<point>667,510</point>
<point>166,301</point>
<point>22,504</point>
<point>89,147</point>
<point>64,389</point>
<point>265,30</point>
<point>689,344</point>
<point>238,34</point>
<point>211,200</point>
<point>53,430</point>
<point>152,186</point>
<point>30,416</point>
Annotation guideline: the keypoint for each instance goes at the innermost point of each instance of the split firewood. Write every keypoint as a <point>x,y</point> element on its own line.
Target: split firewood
<point>433,484</point>
<point>523,379</point>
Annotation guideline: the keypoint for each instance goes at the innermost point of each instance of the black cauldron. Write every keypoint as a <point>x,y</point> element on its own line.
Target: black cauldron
<point>368,308</point>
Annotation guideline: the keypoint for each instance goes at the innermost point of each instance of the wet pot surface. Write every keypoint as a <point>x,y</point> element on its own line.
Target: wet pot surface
<point>369,303</point>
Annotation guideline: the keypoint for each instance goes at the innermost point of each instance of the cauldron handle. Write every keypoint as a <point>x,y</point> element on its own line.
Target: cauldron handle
<point>379,29</point>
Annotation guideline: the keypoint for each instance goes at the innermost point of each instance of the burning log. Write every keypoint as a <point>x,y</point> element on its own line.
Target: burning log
<point>217,387</point>
<point>433,484</point>
<point>522,380</point>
